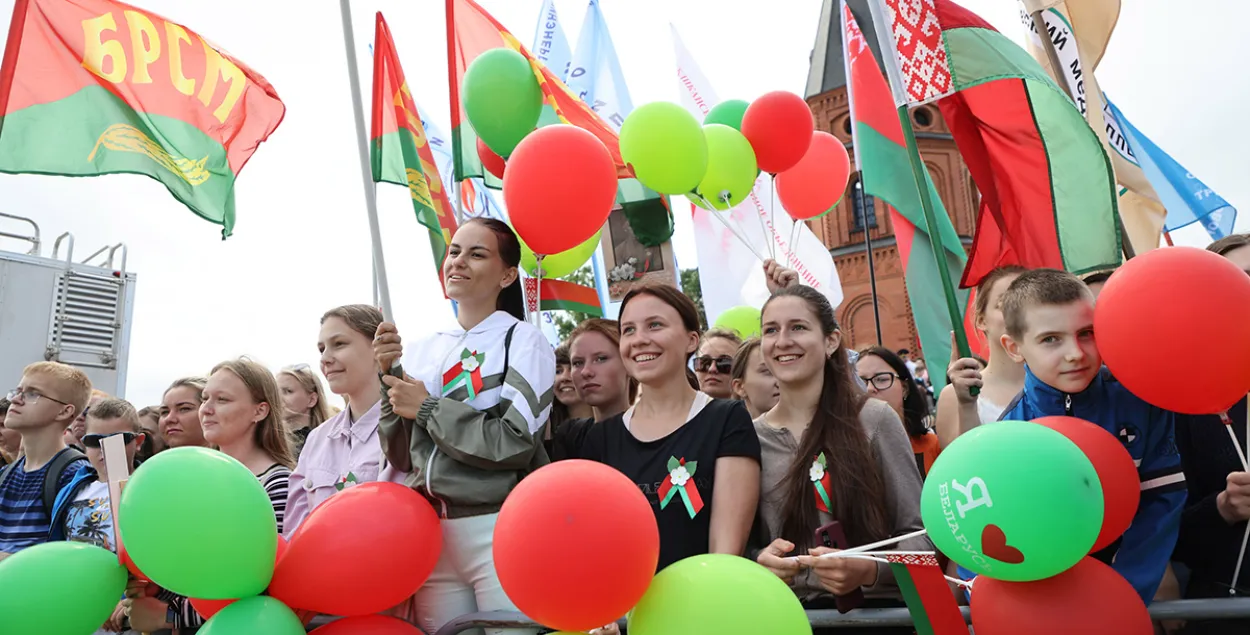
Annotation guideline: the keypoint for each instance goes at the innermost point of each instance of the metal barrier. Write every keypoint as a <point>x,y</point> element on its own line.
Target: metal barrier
<point>1206,609</point>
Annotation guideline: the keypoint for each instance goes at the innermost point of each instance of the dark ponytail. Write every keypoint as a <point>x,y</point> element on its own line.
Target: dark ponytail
<point>511,298</point>
<point>858,489</point>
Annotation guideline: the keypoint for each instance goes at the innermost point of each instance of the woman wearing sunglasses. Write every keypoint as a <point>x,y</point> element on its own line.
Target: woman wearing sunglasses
<point>714,362</point>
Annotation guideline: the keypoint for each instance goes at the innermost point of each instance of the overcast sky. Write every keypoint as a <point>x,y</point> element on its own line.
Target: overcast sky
<point>301,243</point>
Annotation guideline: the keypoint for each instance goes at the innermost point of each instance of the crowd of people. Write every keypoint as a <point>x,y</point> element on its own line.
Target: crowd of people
<point>779,448</point>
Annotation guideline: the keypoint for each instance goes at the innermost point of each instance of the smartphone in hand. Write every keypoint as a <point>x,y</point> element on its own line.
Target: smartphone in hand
<point>834,537</point>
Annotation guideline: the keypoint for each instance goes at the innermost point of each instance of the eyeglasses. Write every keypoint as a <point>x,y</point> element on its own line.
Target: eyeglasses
<point>30,396</point>
<point>94,440</point>
<point>881,381</point>
<point>723,364</point>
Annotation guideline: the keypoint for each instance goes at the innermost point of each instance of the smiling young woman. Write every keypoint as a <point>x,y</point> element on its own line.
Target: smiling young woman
<point>466,423</point>
<point>829,452</point>
<point>695,458</point>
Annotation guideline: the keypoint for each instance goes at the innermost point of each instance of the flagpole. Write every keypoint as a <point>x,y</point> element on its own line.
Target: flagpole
<point>885,38</point>
<point>1048,45</point>
<point>381,288</point>
<point>860,209</point>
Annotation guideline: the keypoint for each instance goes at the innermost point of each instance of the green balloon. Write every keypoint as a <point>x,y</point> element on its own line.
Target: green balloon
<point>744,320</point>
<point>727,113</point>
<point>721,594</point>
<point>1013,501</point>
<point>561,264</point>
<point>502,99</point>
<point>665,147</point>
<point>227,552</point>
<point>35,592</point>
<point>260,614</point>
<point>731,169</point>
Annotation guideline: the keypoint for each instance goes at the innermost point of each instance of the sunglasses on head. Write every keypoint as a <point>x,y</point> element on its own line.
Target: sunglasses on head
<point>723,364</point>
<point>94,440</point>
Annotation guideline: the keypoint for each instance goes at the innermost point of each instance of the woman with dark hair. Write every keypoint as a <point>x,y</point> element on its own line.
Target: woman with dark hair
<point>888,379</point>
<point>464,421</point>
<point>828,453</point>
<point>695,458</point>
<point>568,404</point>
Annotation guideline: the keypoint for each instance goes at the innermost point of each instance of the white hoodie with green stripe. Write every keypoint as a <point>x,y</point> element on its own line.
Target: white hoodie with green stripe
<point>477,434</point>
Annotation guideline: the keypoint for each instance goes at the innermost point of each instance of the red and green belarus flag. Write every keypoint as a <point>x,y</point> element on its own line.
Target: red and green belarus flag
<point>400,151</point>
<point>1048,196</point>
<point>882,160</point>
<point>91,87</point>
<point>471,31</point>
<point>929,601</point>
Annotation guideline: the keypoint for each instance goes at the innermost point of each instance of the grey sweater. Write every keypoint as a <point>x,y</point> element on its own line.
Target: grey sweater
<point>898,470</point>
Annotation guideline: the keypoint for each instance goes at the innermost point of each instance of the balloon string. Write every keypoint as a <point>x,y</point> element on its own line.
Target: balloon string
<point>770,245</point>
<point>772,210</point>
<point>538,291</point>
<point>1245,538</point>
<point>792,246</point>
<point>717,215</point>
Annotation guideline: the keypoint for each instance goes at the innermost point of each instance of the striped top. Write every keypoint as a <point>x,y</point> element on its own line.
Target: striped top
<point>24,522</point>
<point>275,480</point>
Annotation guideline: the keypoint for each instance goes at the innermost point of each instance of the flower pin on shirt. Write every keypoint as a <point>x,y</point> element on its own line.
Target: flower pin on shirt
<point>346,482</point>
<point>822,483</point>
<point>468,371</point>
<point>680,481</point>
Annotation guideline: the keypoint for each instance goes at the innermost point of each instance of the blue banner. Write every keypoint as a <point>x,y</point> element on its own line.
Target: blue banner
<point>551,47</point>
<point>1187,199</point>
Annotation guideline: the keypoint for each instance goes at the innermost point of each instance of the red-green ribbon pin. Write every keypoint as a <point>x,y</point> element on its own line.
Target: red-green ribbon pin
<point>468,371</point>
<point>822,483</point>
<point>681,481</point>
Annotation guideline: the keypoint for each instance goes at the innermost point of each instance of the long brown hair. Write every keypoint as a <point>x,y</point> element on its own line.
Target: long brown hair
<point>270,434</point>
<point>858,492</point>
<point>308,380</point>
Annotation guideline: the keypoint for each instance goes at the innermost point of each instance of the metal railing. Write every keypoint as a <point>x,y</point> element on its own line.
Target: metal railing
<point>1204,609</point>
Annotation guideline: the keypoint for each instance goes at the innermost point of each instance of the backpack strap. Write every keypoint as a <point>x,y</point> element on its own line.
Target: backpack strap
<point>507,351</point>
<point>4,472</point>
<point>52,480</point>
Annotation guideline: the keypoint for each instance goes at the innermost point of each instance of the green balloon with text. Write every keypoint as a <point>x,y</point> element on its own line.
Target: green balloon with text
<point>561,264</point>
<point>731,169</point>
<point>1013,501</point>
<point>502,99</point>
<point>665,147</point>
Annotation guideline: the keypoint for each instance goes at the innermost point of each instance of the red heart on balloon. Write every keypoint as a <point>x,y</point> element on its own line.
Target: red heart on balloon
<point>994,544</point>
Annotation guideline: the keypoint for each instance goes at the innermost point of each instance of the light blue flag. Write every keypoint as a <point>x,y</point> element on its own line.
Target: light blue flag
<point>551,47</point>
<point>595,75</point>
<point>1187,199</point>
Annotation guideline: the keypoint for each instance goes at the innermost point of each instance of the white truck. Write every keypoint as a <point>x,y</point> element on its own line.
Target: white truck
<point>58,309</point>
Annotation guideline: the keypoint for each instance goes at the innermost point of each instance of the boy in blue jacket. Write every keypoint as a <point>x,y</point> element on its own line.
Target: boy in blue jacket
<point>1049,317</point>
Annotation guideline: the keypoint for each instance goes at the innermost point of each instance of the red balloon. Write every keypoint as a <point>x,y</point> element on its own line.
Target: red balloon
<point>1088,599</point>
<point>209,608</point>
<point>560,530</point>
<point>815,184</point>
<point>491,161</point>
<point>1146,321</point>
<point>1121,488</point>
<point>559,186</point>
<point>779,126</point>
<point>363,551</point>
<point>368,625</point>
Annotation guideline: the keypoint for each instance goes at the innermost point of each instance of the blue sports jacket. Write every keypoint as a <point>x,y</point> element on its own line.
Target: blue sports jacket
<point>1148,433</point>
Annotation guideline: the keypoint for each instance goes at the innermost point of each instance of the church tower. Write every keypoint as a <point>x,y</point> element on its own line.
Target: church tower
<point>842,230</point>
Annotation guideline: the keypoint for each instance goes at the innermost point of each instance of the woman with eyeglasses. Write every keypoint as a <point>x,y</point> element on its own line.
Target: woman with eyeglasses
<point>714,362</point>
<point>304,403</point>
<point>695,458</point>
<point>829,453</point>
<point>889,380</point>
<point>465,421</point>
<point>345,450</point>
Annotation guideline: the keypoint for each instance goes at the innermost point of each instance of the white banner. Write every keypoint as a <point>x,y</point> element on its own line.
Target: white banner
<point>730,272</point>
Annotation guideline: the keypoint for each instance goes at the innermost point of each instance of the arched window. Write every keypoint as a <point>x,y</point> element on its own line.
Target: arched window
<point>863,208</point>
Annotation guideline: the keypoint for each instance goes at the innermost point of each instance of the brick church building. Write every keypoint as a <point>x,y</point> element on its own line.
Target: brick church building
<point>842,230</point>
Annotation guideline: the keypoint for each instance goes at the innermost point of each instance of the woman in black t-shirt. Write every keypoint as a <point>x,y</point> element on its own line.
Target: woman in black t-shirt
<point>695,458</point>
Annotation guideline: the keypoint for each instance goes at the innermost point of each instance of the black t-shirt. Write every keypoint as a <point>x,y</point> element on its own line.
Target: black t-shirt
<point>677,472</point>
<point>566,440</point>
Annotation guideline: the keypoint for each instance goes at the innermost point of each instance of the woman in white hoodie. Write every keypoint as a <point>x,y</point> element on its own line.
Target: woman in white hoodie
<point>465,419</point>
